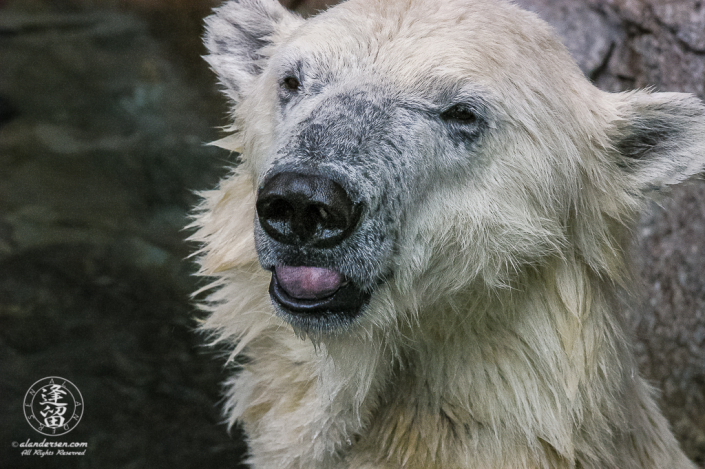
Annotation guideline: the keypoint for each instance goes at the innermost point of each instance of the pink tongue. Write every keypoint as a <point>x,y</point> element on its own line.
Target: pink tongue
<point>308,283</point>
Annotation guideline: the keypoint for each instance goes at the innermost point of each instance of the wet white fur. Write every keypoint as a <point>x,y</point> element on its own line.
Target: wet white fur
<point>499,342</point>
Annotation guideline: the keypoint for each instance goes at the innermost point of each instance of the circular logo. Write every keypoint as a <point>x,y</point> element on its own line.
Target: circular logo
<point>53,406</point>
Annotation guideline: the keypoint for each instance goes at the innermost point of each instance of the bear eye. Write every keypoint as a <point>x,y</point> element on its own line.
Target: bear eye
<point>291,84</point>
<point>459,113</point>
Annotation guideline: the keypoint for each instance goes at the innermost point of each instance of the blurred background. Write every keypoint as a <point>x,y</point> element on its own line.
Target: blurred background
<point>105,106</point>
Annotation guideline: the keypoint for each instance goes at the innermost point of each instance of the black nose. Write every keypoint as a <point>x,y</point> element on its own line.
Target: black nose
<point>300,209</point>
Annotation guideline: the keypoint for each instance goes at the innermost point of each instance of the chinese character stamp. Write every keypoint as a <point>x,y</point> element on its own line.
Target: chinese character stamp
<point>53,406</point>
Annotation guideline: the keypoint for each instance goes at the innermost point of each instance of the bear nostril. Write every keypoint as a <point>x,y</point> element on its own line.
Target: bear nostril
<point>278,209</point>
<point>299,209</point>
<point>278,214</point>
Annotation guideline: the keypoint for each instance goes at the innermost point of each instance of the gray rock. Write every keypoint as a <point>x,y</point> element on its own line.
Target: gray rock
<point>99,159</point>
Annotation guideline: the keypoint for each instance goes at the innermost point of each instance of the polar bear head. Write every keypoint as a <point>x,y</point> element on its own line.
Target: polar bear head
<point>405,151</point>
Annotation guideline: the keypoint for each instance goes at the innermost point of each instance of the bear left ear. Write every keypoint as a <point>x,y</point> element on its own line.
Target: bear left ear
<point>237,37</point>
<point>661,138</point>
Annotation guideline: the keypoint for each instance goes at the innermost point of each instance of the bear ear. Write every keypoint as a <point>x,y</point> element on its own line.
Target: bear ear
<point>660,139</point>
<point>238,36</point>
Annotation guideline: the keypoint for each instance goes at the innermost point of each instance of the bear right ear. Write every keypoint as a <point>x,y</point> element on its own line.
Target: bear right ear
<point>237,35</point>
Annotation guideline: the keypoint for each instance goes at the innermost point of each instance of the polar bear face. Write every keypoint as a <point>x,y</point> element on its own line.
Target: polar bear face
<point>419,148</point>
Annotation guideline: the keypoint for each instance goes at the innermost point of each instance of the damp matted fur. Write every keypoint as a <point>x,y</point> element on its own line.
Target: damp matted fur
<point>494,246</point>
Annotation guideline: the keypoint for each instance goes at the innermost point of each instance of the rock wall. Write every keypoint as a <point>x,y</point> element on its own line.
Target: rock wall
<point>102,132</point>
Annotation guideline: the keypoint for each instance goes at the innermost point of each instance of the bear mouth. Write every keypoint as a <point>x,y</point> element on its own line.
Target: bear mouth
<point>318,292</point>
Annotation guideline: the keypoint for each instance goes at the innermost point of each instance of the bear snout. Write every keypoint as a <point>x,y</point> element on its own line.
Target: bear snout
<point>306,210</point>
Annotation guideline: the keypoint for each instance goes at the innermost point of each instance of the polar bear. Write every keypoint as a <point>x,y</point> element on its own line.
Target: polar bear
<point>421,255</point>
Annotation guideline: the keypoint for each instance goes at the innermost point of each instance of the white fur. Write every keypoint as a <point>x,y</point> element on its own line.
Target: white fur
<point>498,342</point>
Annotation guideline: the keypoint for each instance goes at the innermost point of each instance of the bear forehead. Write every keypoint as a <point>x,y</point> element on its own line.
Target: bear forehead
<point>487,42</point>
